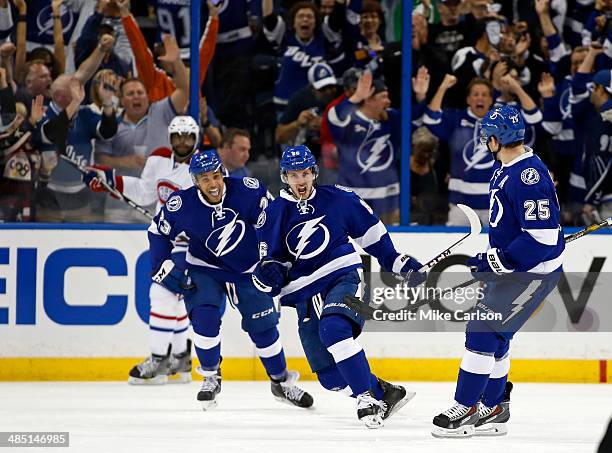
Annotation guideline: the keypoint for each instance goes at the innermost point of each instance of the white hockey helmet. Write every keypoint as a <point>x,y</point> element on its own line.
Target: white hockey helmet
<point>183,124</point>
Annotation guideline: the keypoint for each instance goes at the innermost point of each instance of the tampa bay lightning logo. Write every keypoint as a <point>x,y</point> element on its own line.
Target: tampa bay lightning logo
<point>308,239</point>
<point>530,176</point>
<point>227,232</point>
<point>44,20</point>
<point>375,154</point>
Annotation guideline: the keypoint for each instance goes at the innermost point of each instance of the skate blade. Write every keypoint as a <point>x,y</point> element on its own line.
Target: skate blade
<point>180,378</point>
<point>157,380</point>
<point>457,433</point>
<point>373,421</point>
<point>286,401</point>
<point>401,403</point>
<point>491,429</point>
<point>208,405</point>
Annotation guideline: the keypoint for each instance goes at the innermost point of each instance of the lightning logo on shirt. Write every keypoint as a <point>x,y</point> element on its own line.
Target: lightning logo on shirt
<point>308,235</point>
<point>225,238</point>
<point>372,160</point>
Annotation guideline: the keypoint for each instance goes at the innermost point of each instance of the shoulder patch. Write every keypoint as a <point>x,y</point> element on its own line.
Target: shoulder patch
<point>162,152</point>
<point>261,220</point>
<point>174,203</point>
<point>346,189</point>
<point>251,183</point>
<point>530,176</point>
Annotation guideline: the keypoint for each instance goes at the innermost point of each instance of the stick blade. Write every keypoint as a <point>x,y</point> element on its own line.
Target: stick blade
<point>475,225</point>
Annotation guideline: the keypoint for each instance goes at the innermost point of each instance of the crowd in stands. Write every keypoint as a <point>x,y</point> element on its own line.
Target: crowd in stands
<point>86,82</point>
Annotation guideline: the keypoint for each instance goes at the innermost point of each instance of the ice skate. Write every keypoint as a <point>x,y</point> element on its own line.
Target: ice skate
<point>395,397</point>
<point>493,420</point>
<point>287,392</point>
<point>153,371</point>
<point>211,387</point>
<point>370,410</point>
<point>180,367</point>
<point>456,422</point>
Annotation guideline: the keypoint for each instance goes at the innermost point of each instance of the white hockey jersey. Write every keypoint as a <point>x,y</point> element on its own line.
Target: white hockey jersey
<point>161,176</point>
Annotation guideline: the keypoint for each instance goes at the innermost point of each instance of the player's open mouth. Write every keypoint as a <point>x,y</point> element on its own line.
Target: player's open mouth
<point>213,192</point>
<point>302,190</point>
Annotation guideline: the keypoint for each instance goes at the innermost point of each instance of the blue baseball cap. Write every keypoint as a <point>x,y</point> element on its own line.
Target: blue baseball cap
<point>604,78</point>
<point>321,75</point>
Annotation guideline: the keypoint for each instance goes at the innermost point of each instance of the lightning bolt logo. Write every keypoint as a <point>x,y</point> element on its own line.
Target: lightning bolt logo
<point>519,303</point>
<point>305,233</point>
<point>222,236</point>
<point>379,145</point>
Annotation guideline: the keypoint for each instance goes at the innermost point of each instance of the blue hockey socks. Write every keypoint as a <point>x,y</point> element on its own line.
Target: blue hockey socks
<point>473,377</point>
<point>270,351</point>
<point>337,335</point>
<point>206,322</point>
<point>496,386</point>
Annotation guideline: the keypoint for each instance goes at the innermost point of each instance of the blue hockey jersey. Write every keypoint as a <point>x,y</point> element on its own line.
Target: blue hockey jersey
<point>368,151</point>
<point>222,238</point>
<point>471,163</point>
<point>298,57</point>
<point>525,214</point>
<point>40,22</point>
<point>313,235</point>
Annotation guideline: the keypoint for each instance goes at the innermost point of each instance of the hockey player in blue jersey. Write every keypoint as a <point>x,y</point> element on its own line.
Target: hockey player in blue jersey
<point>307,260</point>
<point>217,214</point>
<point>520,269</point>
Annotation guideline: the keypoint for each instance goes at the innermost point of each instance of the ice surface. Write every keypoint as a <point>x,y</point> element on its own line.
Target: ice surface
<point>116,417</point>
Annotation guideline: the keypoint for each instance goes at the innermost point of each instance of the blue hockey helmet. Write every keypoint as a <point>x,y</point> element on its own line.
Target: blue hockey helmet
<point>297,158</point>
<point>204,162</point>
<point>505,123</point>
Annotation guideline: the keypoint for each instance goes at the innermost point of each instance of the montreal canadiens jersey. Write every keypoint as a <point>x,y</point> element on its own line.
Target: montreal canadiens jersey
<point>313,235</point>
<point>222,238</point>
<point>524,215</point>
<point>161,176</point>
<point>471,162</point>
<point>368,151</point>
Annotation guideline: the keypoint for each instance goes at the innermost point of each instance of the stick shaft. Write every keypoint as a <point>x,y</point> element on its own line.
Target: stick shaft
<point>115,192</point>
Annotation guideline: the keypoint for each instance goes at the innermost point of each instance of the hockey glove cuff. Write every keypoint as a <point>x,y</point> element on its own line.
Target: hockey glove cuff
<point>174,279</point>
<point>409,270</point>
<point>492,261</point>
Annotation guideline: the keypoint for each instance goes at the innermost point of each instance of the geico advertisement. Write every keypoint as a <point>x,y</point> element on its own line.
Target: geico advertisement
<point>85,292</point>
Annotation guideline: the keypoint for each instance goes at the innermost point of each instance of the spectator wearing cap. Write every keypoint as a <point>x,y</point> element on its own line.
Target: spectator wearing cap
<point>367,133</point>
<point>599,144</point>
<point>301,120</point>
<point>329,151</point>
<point>234,152</point>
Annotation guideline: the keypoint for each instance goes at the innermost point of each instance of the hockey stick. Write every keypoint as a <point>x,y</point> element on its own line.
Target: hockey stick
<point>368,311</point>
<point>475,228</point>
<point>111,190</point>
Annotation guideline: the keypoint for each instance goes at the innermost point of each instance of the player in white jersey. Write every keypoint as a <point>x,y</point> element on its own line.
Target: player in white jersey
<point>166,171</point>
